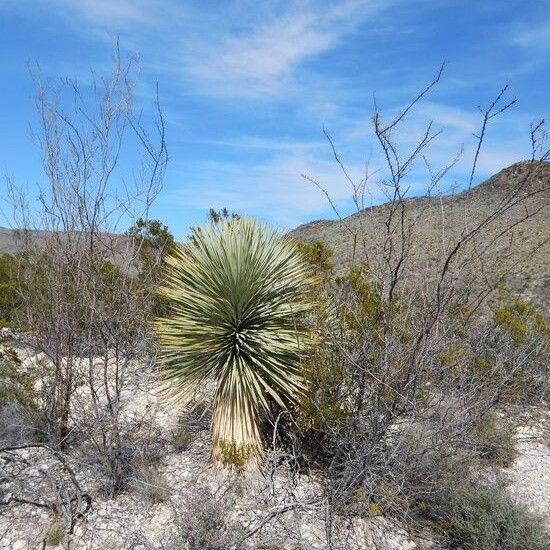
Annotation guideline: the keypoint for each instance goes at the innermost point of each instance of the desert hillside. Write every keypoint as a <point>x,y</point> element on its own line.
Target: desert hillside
<point>182,367</point>
<point>8,242</point>
<point>441,219</point>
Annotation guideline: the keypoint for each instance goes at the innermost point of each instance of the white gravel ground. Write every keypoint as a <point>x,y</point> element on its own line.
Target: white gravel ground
<point>529,475</point>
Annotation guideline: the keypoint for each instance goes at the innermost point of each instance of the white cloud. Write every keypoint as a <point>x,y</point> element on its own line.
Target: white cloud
<point>262,144</point>
<point>263,59</point>
<point>234,49</point>
<point>534,38</point>
<point>449,117</point>
<point>110,13</point>
<point>98,14</point>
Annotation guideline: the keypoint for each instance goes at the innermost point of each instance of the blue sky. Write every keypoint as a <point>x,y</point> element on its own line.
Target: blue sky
<point>247,87</point>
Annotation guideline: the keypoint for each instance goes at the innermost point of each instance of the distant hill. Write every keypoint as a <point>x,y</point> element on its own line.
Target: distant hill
<point>530,261</point>
<point>8,242</point>
<point>117,245</point>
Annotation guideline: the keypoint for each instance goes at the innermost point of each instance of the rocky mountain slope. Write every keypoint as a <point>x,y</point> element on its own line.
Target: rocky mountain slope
<point>8,241</point>
<point>437,222</point>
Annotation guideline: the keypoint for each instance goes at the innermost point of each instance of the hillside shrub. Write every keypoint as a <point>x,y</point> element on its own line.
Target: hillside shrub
<point>21,419</point>
<point>9,289</point>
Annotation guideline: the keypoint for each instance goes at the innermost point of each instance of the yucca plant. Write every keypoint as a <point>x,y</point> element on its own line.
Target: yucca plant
<point>238,294</point>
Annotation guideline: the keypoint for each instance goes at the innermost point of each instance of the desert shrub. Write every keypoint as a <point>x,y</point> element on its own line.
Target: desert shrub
<point>154,238</point>
<point>115,468</point>
<point>509,345</point>
<point>20,417</point>
<point>126,465</point>
<point>87,292</point>
<point>319,256</point>
<point>238,293</point>
<point>55,533</point>
<point>9,290</point>
<point>188,425</point>
<point>477,517</point>
<point>430,479</point>
<point>521,319</point>
<point>217,216</point>
<point>437,483</point>
<point>119,466</point>
<point>204,523</point>
<point>493,438</point>
<point>394,421</point>
<point>154,241</point>
<point>182,436</point>
<point>524,332</point>
<point>20,425</point>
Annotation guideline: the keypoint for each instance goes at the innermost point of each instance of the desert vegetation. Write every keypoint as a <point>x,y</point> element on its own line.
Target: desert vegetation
<point>238,294</point>
<point>370,390</point>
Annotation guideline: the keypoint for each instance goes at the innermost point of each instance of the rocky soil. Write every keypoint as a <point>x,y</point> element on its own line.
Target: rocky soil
<point>529,475</point>
<point>178,487</point>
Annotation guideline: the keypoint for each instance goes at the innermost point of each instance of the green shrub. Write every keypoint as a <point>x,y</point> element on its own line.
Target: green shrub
<point>521,319</point>
<point>493,437</point>
<point>9,296</point>
<point>486,518</point>
<point>319,256</point>
<point>20,416</point>
<point>439,486</point>
<point>524,329</point>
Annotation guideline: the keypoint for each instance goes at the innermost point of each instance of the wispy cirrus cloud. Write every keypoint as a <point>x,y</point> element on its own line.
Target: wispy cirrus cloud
<point>105,14</point>
<point>263,58</point>
<point>111,12</point>
<point>535,37</point>
<point>233,49</point>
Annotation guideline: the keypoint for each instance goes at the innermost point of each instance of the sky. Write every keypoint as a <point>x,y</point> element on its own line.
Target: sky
<point>248,86</point>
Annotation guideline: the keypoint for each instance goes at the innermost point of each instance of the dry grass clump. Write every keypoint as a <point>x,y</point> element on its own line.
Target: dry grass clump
<point>204,522</point>
<point>149,484</point>
<point>55,534</point>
